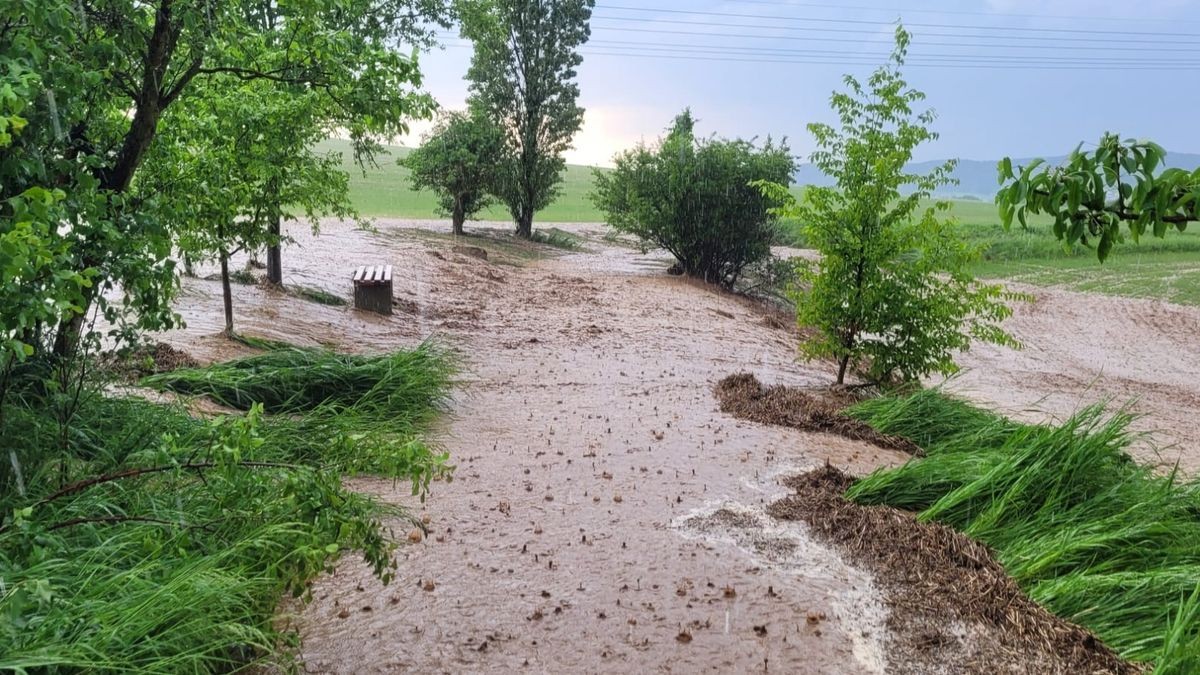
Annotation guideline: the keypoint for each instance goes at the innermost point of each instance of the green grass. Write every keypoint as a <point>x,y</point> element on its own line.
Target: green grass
<point>1087,532</point>
<point>385,191</point>
<point>1167,268</point>
<point>155,541</point>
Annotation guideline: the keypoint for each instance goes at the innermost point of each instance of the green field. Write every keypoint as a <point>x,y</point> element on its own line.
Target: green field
<point>1159,268</point>
<point>385,191</point>
<point>1167,268</point>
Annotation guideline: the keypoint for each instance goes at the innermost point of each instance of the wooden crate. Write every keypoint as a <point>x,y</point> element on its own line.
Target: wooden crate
<point>373,288</point>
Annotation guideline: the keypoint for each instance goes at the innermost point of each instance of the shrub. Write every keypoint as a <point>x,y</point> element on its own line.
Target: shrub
<point>693,198</point>
<point>890,295</point>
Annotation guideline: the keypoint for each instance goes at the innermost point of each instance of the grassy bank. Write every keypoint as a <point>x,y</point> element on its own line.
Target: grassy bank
<point>1087,532</point>
<point>139,537</point>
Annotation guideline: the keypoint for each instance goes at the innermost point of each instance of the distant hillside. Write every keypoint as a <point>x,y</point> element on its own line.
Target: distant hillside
<point>977,178</point>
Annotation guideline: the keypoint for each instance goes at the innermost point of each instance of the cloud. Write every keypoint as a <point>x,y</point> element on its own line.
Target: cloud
<point>1144,9</point>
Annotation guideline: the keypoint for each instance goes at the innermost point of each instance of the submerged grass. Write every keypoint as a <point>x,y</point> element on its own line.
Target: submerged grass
<point>150,540</point>
<point>1086,531</point>
<point>407,384</point>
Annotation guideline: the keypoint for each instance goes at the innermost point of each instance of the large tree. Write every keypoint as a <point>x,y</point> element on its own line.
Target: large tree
<point>890,295</point>
<point>457,161</point>
<point>1092,193</point>
<point>522,76</point>
<point>105,73</point>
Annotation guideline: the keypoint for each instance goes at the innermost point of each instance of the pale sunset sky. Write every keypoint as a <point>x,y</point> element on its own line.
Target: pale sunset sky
<point>1006,77</point>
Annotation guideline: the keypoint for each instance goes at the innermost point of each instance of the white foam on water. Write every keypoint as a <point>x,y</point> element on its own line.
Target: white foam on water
<point>857,603</point>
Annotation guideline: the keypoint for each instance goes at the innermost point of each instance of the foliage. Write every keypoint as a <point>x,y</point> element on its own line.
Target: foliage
<point>522,77</point>
<point>243,151</point>
<point>1093,193</point>
<point>693,198</point>
<point>37,282</point>
<point>158,542</point>
<point>1087,532</point>
<point>97,81</point>
<point>457,160</point>
<point>890,294</point>
<point>291,380</point>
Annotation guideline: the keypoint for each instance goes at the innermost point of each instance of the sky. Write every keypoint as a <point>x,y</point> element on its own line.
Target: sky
<point>1013,78</point>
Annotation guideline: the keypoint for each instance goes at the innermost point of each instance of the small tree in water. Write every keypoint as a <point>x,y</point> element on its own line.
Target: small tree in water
<point>458,162</point>
<point>890,295</point>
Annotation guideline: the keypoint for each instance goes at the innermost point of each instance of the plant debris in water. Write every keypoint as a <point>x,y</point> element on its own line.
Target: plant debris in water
<point>940,582</point>
<point>743,396</point>
<point>151,359</point>
<point>1086,531</point>
<point>142,539</point>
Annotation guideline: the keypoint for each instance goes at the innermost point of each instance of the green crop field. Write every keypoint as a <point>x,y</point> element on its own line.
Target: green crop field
<point>1159,268</point>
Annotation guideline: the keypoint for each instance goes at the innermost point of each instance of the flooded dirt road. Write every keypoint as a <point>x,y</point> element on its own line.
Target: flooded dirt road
<point>604,515</point>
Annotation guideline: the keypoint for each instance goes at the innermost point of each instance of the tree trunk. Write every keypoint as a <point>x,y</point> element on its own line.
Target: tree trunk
<point>226,292</point>
<point>274,255</point>
<point>842,364</point>
<point>525,224</point>
<point>457,216</point>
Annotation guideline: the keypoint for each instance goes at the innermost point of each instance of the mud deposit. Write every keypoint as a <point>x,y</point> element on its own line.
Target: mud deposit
<point>1080,348</point>
<point>953,607</point>
<point>605,516</point>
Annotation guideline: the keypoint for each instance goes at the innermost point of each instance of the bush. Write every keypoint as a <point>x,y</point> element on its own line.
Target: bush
<point>890,296</point>
<point>693,198</point>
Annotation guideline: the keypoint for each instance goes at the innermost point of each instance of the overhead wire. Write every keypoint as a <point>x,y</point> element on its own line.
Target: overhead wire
<point>1158,35</point>
<point>859,31</point>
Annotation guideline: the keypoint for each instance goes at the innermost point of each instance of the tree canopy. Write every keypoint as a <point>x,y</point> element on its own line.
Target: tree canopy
<point>457,160</point>
<point>522,77</point>
<point>889,295</point>
<point>92,86</point>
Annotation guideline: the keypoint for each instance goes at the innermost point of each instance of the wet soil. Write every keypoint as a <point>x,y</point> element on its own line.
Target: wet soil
<point>953,608</point>
<point>605,515</point>
<point>1080,348</point>
<point>815,409</point>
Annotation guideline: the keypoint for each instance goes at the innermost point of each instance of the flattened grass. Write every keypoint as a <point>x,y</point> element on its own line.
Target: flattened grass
<point>1085,530</point>
<point>156,541</point>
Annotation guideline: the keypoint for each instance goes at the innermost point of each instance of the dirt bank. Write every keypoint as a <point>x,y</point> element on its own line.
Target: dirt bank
<point>1080,348</point>
<point>605,515</point>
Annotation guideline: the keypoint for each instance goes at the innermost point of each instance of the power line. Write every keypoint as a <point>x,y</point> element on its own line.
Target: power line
<point>853,59</point>
<point>869,22</point>
<point>921,42</point>
<point>914,10</point>
<point>860,31</point>
<point>879,56</point>
<point>972,66</point>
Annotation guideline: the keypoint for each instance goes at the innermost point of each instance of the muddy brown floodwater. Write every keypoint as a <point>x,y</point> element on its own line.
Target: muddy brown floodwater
<point>604,515</point>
